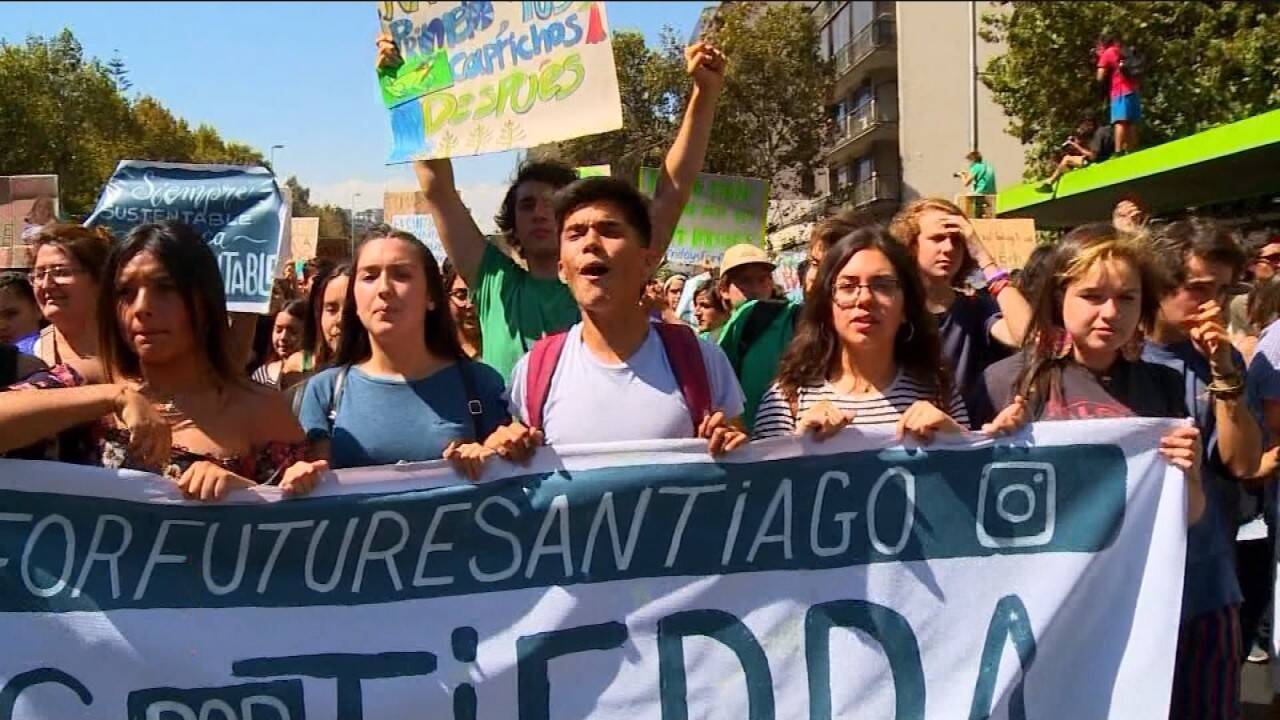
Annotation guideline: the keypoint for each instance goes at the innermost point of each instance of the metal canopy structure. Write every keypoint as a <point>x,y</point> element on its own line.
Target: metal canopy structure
<point>1220,165</point>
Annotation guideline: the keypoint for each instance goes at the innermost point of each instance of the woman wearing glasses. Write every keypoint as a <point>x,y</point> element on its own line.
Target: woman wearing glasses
<point>866,351</point>
<point>69,260</point>
<point>463,310</point>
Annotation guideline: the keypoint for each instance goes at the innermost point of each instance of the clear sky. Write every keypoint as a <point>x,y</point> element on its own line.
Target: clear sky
<point>297,74</point>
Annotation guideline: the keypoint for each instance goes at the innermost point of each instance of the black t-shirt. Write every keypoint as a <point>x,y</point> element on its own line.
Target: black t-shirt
<point>1103,143</point>
<point>1129,389</point>
<point>968,348</point>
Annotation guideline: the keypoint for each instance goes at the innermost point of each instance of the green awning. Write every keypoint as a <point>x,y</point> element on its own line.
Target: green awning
<point>1222,164</point>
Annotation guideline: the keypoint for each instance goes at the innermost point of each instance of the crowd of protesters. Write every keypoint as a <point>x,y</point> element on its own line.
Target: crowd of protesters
<point>393,358</point>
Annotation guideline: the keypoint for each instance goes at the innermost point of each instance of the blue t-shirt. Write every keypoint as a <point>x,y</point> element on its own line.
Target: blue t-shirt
<point>968,348</point>
<point>382,421</point>
<point>1210,576</point>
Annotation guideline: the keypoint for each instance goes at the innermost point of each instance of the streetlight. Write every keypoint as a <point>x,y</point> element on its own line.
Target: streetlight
<point>273,156</point>
<point>353,224</point>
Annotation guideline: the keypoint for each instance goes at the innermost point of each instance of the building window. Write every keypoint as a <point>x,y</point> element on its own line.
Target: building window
<point>840,29</point>
<point>842,177</point>
<point>824,39</point>
<point>863,13</point>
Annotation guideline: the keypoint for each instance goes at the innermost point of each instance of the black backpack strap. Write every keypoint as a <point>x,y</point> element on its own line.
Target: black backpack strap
<point>8,365</point>
<point>339,382</point>
<point>474,407</point>
<point>762,314</point>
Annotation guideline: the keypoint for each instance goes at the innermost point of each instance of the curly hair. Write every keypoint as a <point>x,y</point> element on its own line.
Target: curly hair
<point>906,228</point>
<point>555,174</point>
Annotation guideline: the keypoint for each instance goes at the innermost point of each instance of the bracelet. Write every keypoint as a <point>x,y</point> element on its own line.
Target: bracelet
<point>1226,388</point>
<point>995,275</point>
<point>997,286</point>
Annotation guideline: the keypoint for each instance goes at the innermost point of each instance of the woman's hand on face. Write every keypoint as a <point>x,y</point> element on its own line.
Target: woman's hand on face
<point>150,437</point>
<point>1010,420</point>
<point>723,435</point>
<point>923,419</point>
<point>301,477</point>
<point>514,442</point>
<point>206,481</point>
<point>468,458</point>
<point>823,419</point>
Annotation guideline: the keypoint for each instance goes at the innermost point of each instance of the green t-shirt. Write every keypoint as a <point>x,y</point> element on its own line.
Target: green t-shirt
<point>982,178</point>
<point>758,366</point>
<point>515,309</point>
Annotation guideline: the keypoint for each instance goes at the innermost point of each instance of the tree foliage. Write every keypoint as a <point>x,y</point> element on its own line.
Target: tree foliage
<point>67,115</point>
<point>1206,64</point>
<point>334,221</point>
<point>770,122</point>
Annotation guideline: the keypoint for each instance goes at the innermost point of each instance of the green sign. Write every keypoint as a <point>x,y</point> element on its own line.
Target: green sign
<point>418,76</point>
<point>587,171</point>
<point>725,210</point>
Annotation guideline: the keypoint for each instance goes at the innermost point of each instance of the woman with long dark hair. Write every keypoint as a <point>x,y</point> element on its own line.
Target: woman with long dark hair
<point>401,388</point>
<point>866,350</point>
<point>173,401</point>
<point>286,338</point>
<point>321,328</point>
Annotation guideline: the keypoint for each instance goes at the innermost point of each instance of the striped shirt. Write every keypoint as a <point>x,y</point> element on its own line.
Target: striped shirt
<point>775,418</point>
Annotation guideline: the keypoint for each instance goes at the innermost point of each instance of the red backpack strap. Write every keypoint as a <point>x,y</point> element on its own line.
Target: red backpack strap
<point>685,355</point>
<point>543,359</point>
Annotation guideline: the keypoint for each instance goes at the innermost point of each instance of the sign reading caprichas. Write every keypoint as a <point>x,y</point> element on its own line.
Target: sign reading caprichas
<point>481,77</point>
<point>238,210</point>
<point>852,578</point>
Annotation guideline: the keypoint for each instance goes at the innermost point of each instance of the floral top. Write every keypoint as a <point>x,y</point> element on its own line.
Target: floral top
<point>104,445</point>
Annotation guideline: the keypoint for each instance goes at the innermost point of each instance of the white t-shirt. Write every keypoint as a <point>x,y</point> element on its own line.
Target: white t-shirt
<point>591,401</point>
<point>774,416</point>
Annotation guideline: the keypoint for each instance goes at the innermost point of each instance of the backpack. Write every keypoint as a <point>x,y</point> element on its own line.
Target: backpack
<point>683,352</point>
<point>474,407</point>
<point>1132,62</point>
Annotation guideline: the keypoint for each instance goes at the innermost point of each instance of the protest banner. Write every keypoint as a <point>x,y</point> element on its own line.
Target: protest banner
<point>789,580</point>
<point>481,77</point>
<point>305,232</point>
<point>238,210</point>
<point>725,210</point>
<point>26,203</point>
<point>587,171</point>
<point>1010,242</point>
<point>423,227</point>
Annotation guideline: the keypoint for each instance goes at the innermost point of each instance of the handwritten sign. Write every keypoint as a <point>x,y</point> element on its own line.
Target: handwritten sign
<point>482,77</point>
<point>851,579</point>
<point>422,227</point>
<point>305,234</point>
<point>587,171</point>
<point>1010,242</point>
<point>27,202</point>
<point>725,210</point>
<point>238,210</point>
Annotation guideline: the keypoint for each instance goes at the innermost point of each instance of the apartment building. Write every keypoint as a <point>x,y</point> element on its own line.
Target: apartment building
<point>907,103</point>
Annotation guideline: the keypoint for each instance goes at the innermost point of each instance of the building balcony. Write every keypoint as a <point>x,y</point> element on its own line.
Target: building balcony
<point>876,195</point>
<point>872,49</point>
<point>856,132</point>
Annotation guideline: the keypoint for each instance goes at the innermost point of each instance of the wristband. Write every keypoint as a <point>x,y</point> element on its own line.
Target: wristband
<point>997,286</point>
<point>993,275</point>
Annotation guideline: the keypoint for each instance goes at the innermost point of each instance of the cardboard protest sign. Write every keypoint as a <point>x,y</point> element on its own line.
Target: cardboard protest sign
<point>27,202</point>
<point>1010,242</point>
<point>422,227</point>
<point>238,210</point>
<point>851,578</point>
<point>305,233</point>
<point>482,77</point>
<point>725,210</point>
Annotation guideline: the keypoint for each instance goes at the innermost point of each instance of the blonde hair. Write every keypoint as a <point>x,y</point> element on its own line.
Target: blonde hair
<point>905,227</point>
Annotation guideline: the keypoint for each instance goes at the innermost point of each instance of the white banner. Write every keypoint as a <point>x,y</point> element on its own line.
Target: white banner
<point>846,579</point>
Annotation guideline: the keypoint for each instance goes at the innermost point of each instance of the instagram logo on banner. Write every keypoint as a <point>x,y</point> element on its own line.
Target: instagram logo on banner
<point>1017,504</point>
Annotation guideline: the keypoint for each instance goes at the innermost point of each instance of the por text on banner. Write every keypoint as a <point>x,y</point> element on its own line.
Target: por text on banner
<point>481,77</point>
<point>850,578</point>
<point>238,210</point>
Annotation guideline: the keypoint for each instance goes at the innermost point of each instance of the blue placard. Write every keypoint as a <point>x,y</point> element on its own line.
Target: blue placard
<point>238,210</point>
